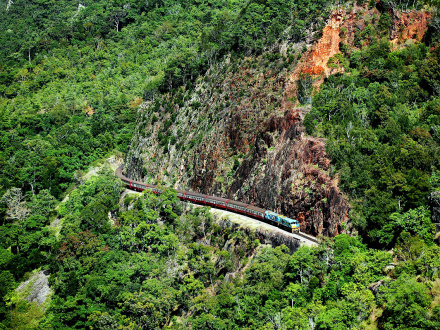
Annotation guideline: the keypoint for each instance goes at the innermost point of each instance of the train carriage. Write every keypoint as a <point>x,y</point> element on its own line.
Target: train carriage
<point>236,206</point>
<point>195,197</point>
<point>279,220</point>
<point>216,201</point>
<point>180,193</point>
<point>136,185</point>
<point>255,212</point>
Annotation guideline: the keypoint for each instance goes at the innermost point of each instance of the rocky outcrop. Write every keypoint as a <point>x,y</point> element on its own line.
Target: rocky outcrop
<point>375,287</point>
<point>412,25</point>
<point>314,62</point>
<point>36,289</point>
<point>342,28</point>
<point>288,173</point>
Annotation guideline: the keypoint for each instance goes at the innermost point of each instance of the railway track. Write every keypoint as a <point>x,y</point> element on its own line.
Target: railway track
<point>254,224</point>
<point>308,237</point>
<point>233,207</point>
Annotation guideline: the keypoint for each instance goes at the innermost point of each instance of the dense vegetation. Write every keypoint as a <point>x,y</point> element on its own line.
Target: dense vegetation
<point>161,262</point>
<point>72,77</point>
<point>74,74</point>
<point>382,119</point>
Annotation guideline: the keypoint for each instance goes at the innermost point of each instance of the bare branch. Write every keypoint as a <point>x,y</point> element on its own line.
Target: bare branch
<point>17,209</point>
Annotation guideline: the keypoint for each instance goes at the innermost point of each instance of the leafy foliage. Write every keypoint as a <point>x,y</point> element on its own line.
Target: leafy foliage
<point>384,150</point>
<point>72,79</point>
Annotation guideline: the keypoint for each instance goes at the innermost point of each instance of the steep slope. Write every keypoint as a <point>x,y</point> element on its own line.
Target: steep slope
<point>238,135</point>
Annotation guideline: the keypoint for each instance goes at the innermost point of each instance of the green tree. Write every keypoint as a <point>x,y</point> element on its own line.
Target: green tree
<point>406,305</point>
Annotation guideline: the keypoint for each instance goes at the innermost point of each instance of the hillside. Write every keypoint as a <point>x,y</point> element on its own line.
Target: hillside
<point>324,111</point>
<point>239,132</point>
<point>237,136</point>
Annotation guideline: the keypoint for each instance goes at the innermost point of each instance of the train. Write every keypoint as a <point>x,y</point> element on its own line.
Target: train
<point>273,218</point>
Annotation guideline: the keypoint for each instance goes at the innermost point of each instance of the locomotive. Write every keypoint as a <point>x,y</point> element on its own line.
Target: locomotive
<point>271,217</point>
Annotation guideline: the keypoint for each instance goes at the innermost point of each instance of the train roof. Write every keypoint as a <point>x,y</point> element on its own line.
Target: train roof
<point>195,194</point>
<point>123,177</point>
<point>255,208</point>
<point>144,184</point>
<point>215,198</point>
<point>289,220</point>
<point>119,173</point>
<point>237,203</point>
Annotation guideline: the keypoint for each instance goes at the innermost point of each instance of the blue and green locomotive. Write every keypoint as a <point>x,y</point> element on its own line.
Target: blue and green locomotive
<point>282,221</point>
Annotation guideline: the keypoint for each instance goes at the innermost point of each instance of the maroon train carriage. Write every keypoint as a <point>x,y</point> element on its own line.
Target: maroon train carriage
<point>255,212</point>
<point>216,201</point>
<point>141,186</point>
<point>180,193</point>
<point>236,206</point>
<point>136,185</point>
<point>195,197</point>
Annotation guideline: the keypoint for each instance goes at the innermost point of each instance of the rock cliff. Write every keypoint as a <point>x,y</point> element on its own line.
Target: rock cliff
<point>237,135</point>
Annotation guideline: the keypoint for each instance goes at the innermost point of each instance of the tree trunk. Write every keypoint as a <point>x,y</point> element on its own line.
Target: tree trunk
<point>10,2</point>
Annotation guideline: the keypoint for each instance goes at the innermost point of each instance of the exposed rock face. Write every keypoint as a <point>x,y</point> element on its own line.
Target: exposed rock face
<point>36,289</point>
<point>289,175</point>
<point>314,62</point>
<point>342,27</point>
<point>412,25</point>
<point>374,287</point>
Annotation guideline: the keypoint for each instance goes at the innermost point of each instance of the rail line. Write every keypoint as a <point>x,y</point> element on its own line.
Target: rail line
<point>307,237</point>
<point>266,216</point>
